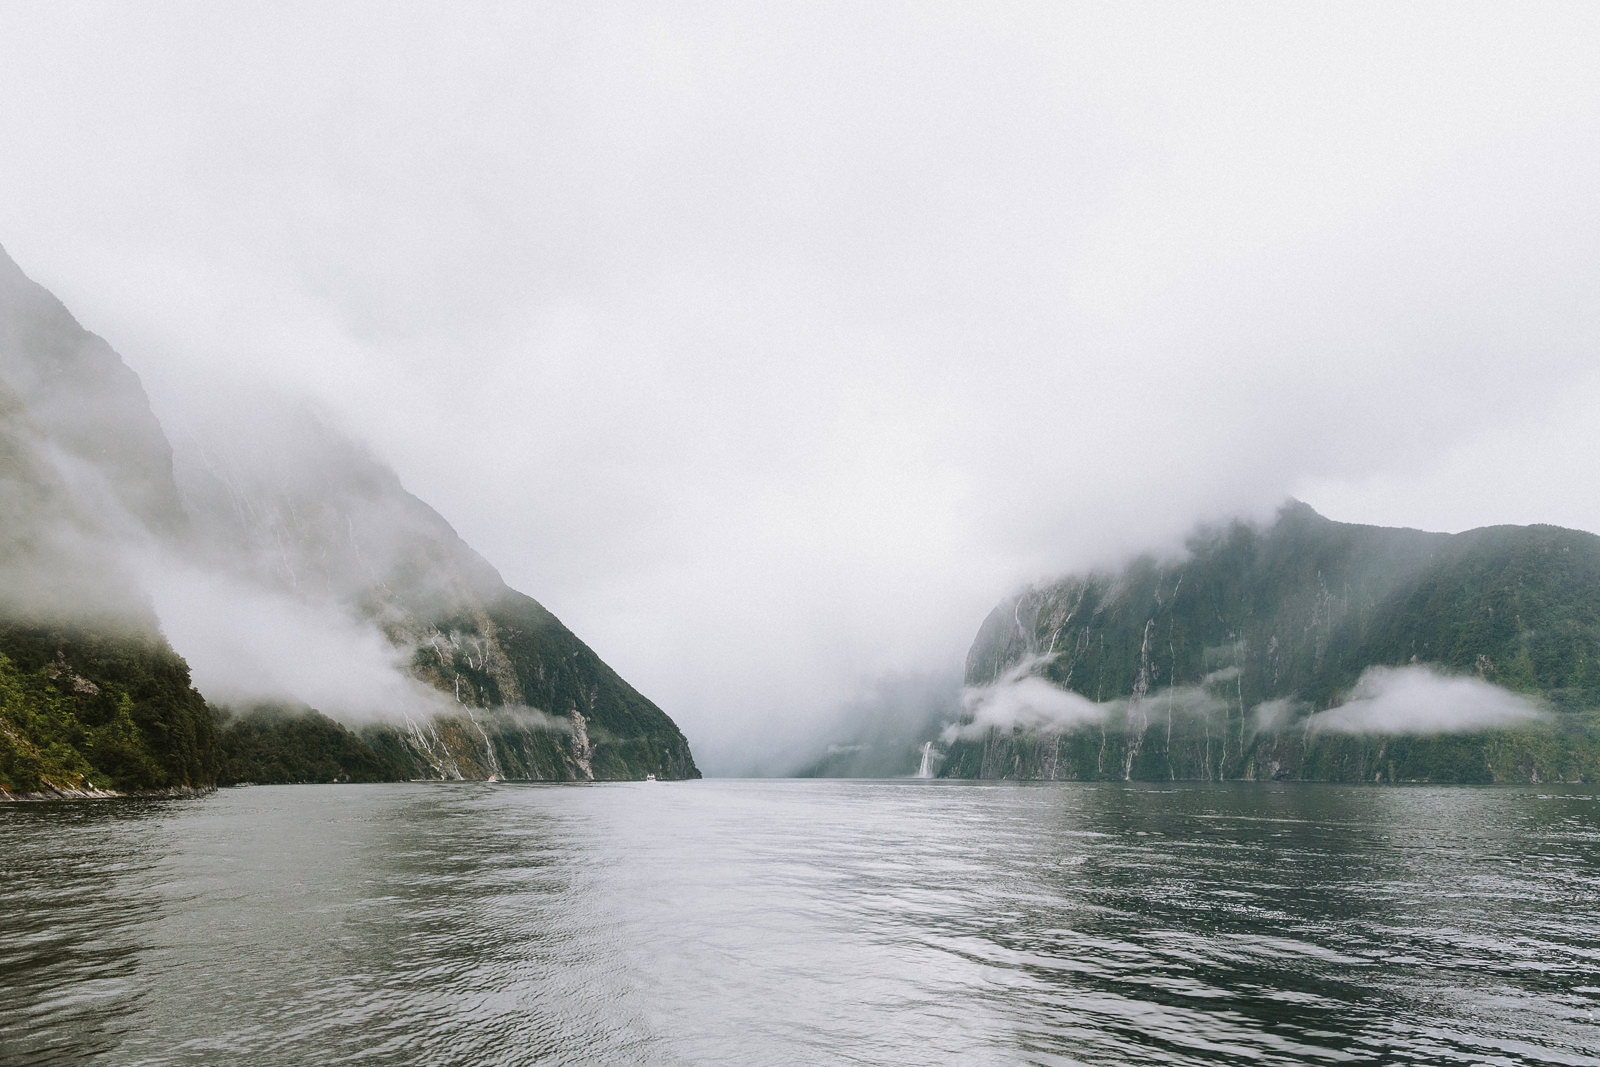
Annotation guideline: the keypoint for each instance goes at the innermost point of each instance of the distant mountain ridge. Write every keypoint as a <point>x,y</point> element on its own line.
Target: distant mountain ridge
<point>92,695</point>
<point>1218,665</point>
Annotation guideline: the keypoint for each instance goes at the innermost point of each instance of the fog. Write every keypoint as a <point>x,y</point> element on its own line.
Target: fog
<point>1421,700</point>
<point>770,347</point>
<point>877,734</point>
<point>1415,699</point>
<point>1276,714</point>
<point>246,644</point>
<point>1021,698</point>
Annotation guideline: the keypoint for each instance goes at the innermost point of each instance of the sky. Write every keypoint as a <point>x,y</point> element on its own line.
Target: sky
<point>771,345</point>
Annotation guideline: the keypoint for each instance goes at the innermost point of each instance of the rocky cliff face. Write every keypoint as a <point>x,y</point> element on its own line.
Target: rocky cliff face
<point>1231,662</point>
<point>285,501</point>
<point>92,698</point>
<point>265,499</point>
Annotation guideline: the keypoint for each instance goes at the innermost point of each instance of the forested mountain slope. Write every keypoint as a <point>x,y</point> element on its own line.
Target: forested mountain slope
<point>97,519</point>
<point>91,695</point>
<point>288,503</point>
<point>1259,655</point>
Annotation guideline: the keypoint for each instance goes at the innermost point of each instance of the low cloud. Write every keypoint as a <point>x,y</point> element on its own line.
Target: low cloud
<point>1021,698</point>
<point>523,717</point>
<point>1421,700</point>
<point>249,644</point>
<point>1275,714</point>
<point>871,734</point>
<point>1386,700</point>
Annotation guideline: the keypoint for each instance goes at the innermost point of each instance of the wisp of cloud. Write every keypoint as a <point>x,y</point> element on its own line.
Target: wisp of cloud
<point>247,643</point>
<point>1419,699</point>
<point>1021,698</point>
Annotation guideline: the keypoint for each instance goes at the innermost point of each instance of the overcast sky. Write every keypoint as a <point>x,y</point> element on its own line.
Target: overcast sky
<point>770,344</point>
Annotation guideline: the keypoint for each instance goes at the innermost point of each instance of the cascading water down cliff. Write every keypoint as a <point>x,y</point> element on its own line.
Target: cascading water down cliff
<point>293,572</point>
<point>1303,649</point>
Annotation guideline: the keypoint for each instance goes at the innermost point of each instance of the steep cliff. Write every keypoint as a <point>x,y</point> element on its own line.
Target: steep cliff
<point>92,698</point>
<point>1227,663</point>
<point>97,514</point>
<point>284,500</point>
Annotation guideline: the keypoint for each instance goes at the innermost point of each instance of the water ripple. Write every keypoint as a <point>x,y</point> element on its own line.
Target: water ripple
<point>805,922</point>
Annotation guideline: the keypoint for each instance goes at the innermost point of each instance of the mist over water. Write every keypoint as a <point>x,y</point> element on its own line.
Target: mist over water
<point>787,922</point>
<point>721,358</point>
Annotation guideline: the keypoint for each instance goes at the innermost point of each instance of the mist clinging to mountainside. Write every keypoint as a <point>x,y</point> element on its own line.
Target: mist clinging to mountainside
<point>1417,699</point>
<point>1414,699</point>
<point>770,349</point>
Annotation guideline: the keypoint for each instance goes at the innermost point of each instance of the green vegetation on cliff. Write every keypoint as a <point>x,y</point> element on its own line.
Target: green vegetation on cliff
<point>280,509</point>
<point>294,507</point>
<point>274,744</point>
<point>1196,747</point>
<point>281,745</point>
<point>1215,666</point>
<point>90,693</point>
<point>102,709</point>
<point>514,654</point>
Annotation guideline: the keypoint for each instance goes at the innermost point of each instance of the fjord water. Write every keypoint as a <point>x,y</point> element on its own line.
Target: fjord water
<point>787,922</point>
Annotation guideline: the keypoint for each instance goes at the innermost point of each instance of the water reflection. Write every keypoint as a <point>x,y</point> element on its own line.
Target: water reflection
<point>1173,921</point>
<point>78,898</point>
<point>784,922</point>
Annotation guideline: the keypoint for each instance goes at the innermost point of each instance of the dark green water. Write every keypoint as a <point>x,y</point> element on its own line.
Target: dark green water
<point>814,922</point>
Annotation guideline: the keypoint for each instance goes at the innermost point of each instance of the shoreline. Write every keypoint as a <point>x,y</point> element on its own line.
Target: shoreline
<point>46,795</point>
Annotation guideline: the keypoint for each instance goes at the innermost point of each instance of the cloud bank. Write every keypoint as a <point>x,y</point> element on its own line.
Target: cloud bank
<point>1421,700</point>
<point>246,644</point>
<point>1020,698</point>
<point>771,345</point>
<point>1416,699</point>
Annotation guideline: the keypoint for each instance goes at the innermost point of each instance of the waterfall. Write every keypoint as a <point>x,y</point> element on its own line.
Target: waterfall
<point>926,770</point>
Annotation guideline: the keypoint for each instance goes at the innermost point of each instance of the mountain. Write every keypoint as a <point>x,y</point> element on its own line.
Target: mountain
<point>1303,649</point>
<point>281,500</point>
<point>269,529</point>
<point>92,697</point>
